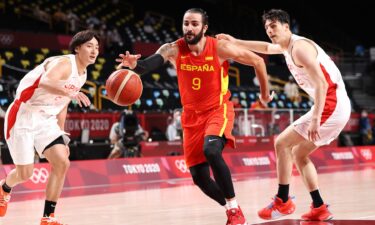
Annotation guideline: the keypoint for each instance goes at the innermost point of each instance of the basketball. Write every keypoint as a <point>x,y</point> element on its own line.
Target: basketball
<point>124,87</point>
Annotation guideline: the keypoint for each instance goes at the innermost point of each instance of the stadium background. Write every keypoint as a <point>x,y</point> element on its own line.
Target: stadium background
<point>32,31</point>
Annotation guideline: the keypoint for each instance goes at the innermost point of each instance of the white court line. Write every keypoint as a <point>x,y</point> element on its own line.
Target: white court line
<point>365,217</point>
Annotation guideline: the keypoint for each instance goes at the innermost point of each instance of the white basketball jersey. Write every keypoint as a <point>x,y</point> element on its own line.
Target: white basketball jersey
<point>40,99</point>
<point>328,67</point>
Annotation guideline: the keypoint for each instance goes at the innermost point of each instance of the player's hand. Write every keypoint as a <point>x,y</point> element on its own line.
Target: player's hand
<point>128,60</point>
<point>225,37</point>
<point>313,130</point>
<point>266,99</point>
<point>81,99</point>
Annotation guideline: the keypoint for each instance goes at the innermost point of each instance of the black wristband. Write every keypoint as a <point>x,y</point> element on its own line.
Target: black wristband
<point>149,64</point>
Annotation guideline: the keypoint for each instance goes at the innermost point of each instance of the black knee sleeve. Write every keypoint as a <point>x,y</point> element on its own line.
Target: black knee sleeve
<point>213,147</point>
<point>201,177</point>
<point>200,174</point>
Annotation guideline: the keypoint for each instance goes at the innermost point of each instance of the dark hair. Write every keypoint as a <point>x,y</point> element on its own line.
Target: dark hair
<point>81,38</point>
<point>276,15</point>
<point>200,11</point>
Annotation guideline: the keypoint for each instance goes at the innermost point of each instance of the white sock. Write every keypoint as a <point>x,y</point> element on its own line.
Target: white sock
<point>232,204</point>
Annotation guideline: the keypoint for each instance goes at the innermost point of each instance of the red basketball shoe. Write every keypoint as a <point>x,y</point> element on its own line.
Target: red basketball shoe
<point>277,209</point>
<point>236,217</point>
<point>318,214</point>
<point>51,220</point>
<point>4,199</point>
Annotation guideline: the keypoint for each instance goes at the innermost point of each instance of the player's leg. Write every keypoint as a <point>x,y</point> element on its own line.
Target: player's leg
<point>57,154</point>
<point>20,146</point>
<point>307,170</point>
<point>283,204</point>
<point>213,148</point>
<point>20,174</point>
<point>218,133</point>
<point>201,177</point>
<point>304,165</point>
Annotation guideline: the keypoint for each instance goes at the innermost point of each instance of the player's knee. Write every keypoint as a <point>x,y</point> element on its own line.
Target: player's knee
<point>200,174</point>
<point>299,158</point>
<point>280,146</point>
<point>213,147</point>
<point>211,153</point>
<point>65,164</point>
<point>25,173</point>
<point>61,166</point>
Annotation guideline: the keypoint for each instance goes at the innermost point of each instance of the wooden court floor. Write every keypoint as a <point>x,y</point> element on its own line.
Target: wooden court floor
<point>351,195</point>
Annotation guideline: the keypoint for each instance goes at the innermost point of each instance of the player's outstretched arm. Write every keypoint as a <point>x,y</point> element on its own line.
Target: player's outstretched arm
<point>228,50</point>
<point>255,46</point>
<point>166,52</point>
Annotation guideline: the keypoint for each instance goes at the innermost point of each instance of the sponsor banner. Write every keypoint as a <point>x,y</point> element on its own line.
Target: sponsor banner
<point>98,124</point>
<point>161,148</point>
<point>251,162</point>
<point>176,167</point>
<point>243,144</point>
<point>365,154</point>
<point>105,176</point>
<point>330,157</point>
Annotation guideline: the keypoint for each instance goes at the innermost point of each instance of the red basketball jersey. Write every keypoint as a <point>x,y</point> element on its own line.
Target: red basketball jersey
<point>202,81</point>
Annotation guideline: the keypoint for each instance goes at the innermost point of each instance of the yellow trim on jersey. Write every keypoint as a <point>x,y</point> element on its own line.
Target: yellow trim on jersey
<point>225,120</point>
<point>224,84</point>
<point>209,58</point>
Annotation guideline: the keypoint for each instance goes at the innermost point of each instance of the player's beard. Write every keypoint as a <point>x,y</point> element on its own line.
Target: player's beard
<point>195,39</point>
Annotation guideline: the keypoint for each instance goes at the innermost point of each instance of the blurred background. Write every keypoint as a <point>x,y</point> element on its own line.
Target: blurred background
<point>31,31</point>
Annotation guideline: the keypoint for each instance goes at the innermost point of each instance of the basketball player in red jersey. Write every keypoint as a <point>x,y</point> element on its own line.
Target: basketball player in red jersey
<point>207,118</point>
<point>319,77</point>
<point>35,120</point>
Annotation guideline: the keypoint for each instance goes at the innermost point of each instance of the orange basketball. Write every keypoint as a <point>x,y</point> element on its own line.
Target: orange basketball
<point>124,87</point>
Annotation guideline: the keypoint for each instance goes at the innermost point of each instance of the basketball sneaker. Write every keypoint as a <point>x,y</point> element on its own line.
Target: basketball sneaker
<point>51,220</point>
<point>318,214</point>
<point>277,209</point>
<point>4,199</point>
<point>236,217</point>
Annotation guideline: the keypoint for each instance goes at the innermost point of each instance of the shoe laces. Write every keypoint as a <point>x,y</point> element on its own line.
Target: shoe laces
<point>272,204</point>
<point>233,215</point>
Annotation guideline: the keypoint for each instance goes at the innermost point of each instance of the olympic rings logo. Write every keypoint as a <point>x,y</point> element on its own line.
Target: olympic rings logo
<point>181,165</point>
<point>6,39</point>
<point>39,175</point>
<point>366,153</point>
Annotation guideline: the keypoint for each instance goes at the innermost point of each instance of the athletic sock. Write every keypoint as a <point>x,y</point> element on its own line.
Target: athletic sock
<point>49,207</point>
<point>6,188</point>
<point>317,199</point>
<point>232,204</point>
<point>283,192</point>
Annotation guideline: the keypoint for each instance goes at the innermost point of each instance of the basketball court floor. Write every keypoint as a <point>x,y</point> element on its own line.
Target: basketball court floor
<point>351,195</point>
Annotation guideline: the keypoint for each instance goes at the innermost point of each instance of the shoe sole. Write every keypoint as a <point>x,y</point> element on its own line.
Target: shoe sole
<point>327,219</point>
<point>275,217</point>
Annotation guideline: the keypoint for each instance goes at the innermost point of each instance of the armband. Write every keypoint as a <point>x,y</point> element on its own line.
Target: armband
<point>149,64</point>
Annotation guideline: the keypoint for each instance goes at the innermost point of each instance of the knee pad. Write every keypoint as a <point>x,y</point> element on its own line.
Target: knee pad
<point>213,146</point>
